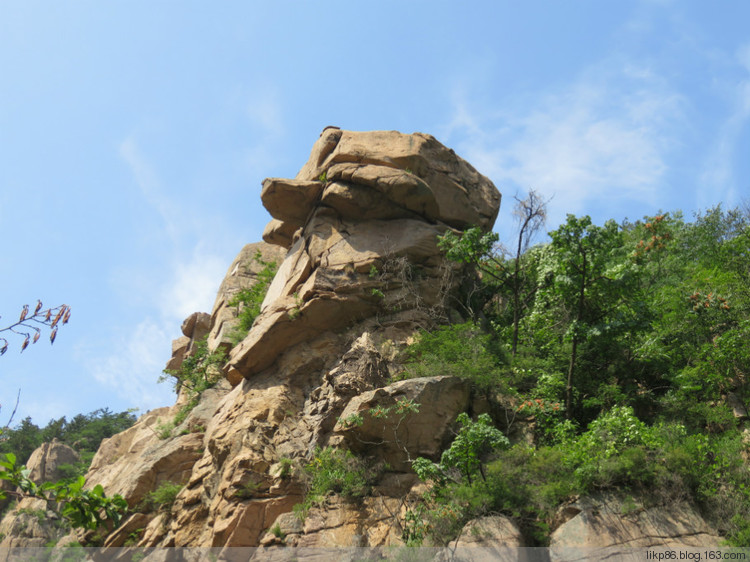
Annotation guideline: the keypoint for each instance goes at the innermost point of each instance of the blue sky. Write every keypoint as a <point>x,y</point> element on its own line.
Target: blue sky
<point>134,137</point>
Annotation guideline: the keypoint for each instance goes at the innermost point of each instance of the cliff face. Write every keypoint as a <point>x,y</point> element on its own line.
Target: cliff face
<point>355,237</point>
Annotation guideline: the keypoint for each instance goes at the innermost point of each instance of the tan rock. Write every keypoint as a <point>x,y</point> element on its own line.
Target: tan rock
<point>44,463</point>
<point>368,522</point>
<point>196,325</point>
<point>136,461</point>
<point>290,201</point>
<point>242,274</point>
<point>608,524</point>
<point>279,233</point>
<point>464,197</point>
<point>127,529</point>
<point>403,189</point>
<point>180,348</point>
<point>32,524</point>
<point>739,410</point>
<point>424,433</point>
<point>493,537</point>
<point>358,202</point>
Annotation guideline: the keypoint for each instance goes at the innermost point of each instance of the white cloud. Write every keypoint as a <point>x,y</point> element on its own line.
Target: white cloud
<point>265,112</point>
<point>193,286</point>
<point>601,140</point>
<point>133,362</point>
<point>718,177</point>
<point>133,368</point>
<point>147,181</point>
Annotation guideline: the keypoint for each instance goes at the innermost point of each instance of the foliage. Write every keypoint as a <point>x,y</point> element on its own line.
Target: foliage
<point>87,509</point>
<point>84,433</point>
<point>475,440</point>
<point>336,471</point>
<point>199,371</point>
<point>461,350</point>
<point>631,342</point>
<point>285,467</point>
<point>250,300</point>
<point>164,496</point>
<point>33,322</point>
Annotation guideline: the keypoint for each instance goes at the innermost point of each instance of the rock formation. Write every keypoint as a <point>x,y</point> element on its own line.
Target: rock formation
<point>33,523</point>
<point>608,525</point>
<point>355,239</point>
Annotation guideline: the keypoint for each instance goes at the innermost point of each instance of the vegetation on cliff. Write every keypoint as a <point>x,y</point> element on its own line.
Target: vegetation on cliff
<point>630,367</point>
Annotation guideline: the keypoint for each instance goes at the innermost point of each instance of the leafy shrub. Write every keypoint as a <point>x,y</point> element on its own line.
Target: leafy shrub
<point>336,471</point>
<point>87,509</point>
<point>461,350</point>
<point>610,434</point>
<point>456,493</point>
<point>164,496</point>
<point>475,440</point>
<point>197,373</point>
<point>249,300</point>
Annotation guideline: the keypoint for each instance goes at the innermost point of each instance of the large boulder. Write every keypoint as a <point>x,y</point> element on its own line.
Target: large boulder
<point>609,524</point>
<point>384,160</point>
<point>404,420</point>
<point>360,223</point>
<point>44,463</point>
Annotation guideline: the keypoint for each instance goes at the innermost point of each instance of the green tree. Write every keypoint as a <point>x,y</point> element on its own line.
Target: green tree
<point>584,283</point>
<point>514,276</point>
<point>531,214</point>
<point>468,452</point>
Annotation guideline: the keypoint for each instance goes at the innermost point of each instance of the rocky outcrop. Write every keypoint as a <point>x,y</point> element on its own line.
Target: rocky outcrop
<point>607,523</point>
<point>45,462</point>
<point>405,420</point>
<point>242,274</point>
<point>33,522</point>
<point>194,328</point>
<point>491,532</point>
<point>355,239</point>
<point>361,221</point>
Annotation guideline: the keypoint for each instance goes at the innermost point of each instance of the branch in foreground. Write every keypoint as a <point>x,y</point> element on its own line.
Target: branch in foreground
<point>27,324</point>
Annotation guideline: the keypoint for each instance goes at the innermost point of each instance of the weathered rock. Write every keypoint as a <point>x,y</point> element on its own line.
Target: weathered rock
<point>361,201</point>
<point>137,460</point>
<point>423,433</point>
<point>30,525</point>
<point>180,348</point>
<point>279,233</point>
<point>34,522</point>
<point>494,531</point>
<point>367,522</point>
<point>463,196</point>
<point>242,274</point>
<point>290,201</point>
<point>739,410</point>
<point>359,269</point>
<point>609,523</point>
<point>196,325</point>
<point>44,463</point>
